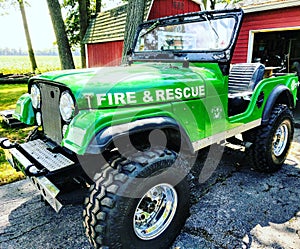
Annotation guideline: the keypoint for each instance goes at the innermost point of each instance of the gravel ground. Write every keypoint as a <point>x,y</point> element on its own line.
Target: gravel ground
<point>236,208</point>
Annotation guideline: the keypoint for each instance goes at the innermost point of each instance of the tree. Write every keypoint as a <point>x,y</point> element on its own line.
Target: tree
<point>77,19</point>
<point>72,22</point>
<point>28,39</point>
<point>64,49</point>
<point>83,24</point>
<point>98,5</point>
<point>135,16</point>
<point>5,4</point>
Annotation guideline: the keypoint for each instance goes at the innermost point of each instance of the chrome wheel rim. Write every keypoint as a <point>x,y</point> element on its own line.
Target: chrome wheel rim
<point>280,139</point>
<point>155,211</point>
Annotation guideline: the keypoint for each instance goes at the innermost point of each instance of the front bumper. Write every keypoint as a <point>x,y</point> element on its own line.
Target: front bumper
<point>38,162</point>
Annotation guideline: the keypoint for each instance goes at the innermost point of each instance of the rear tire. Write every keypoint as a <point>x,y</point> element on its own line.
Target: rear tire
<point>271,142</point>
<point>143,203</point>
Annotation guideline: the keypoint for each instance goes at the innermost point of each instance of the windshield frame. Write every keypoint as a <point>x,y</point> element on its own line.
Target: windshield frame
<point>218,55</point>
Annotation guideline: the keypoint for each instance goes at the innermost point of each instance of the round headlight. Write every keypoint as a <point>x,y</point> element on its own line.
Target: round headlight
<point>35,95</point>
<point>66,106</point>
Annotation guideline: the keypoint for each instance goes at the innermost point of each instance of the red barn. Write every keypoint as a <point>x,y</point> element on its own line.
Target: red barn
<point>105,36</point>
<point>270,32</point>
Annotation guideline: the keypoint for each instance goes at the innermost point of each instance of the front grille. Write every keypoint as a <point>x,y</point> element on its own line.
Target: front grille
<point>51,118</point>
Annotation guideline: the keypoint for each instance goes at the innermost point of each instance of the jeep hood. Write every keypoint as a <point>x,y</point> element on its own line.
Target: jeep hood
<point>109,87</point>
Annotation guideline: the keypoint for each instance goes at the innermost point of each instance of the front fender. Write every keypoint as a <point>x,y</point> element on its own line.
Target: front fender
<point>89,123</point>
<point>106,136</point>
<point>24,110</point>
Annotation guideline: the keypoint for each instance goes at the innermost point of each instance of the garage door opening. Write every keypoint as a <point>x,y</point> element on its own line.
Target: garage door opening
<point>278,49</point>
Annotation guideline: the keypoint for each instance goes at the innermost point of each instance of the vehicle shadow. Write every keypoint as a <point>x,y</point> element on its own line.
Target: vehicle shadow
<point>241,208</point>
<point>35,225</point>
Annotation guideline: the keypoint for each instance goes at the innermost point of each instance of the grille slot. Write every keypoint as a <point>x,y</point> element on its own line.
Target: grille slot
<point>52,122</point>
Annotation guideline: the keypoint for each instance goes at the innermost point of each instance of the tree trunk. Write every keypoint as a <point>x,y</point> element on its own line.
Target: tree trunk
<point>28,39</point>
<point>98,5</point>
<point>135,16</point>
<point>64,50</point>
<point>212,4</point>
<point>83,23</point>
<point>204,2</point>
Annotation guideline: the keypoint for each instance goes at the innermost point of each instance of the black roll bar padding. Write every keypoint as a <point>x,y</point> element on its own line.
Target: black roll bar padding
<point>296,65</point>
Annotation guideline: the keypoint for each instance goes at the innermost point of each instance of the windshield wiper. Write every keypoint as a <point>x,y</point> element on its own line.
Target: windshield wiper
<point>212,28</point>
<point>151,28</point>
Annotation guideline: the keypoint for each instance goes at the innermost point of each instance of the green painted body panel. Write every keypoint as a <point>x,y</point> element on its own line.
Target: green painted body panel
<point>266,86</point>
<point>88,123</point>
<point>24,111</point>
<point>196,97</point>
<point>151,90</point>
<point>158,89</point>
<point>141,84</point>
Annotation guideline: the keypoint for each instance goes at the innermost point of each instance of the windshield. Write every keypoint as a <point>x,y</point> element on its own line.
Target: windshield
<point>204,35</point>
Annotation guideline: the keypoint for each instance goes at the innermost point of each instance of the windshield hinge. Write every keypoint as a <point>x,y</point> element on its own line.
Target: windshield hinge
<point>186,63</point>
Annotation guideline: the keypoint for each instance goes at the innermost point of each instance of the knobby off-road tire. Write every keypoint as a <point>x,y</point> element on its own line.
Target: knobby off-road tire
<point>140,202</point>
<point>271,142</point>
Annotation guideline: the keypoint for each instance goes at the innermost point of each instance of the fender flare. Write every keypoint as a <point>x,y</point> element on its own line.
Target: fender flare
<point>106,136</point>
<point>277,93</point>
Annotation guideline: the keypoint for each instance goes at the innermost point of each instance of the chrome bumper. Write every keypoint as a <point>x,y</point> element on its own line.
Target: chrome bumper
<point>48,190</point>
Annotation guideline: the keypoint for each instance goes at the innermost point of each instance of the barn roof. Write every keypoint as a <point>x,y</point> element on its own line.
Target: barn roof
<point>264,5</point>
<point>110,25</point>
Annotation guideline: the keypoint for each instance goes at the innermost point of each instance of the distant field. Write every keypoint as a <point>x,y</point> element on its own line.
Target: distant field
<point>21,64</point>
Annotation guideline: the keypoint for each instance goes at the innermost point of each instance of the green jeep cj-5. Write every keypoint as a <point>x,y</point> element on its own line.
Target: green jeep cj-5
<point>129,133</point>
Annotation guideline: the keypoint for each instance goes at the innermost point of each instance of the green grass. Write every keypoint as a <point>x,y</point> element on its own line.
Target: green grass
<point>9,94</point>
<point>21,64</point>
<point>7,173</point>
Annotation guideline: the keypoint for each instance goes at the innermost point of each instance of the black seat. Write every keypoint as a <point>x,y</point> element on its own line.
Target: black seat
<point>244,77</point>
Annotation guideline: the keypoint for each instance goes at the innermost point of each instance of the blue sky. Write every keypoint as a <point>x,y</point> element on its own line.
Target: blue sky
<point>42,35</point>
